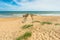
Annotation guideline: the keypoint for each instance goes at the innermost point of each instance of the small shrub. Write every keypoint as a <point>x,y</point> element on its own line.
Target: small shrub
<point>27,26</point>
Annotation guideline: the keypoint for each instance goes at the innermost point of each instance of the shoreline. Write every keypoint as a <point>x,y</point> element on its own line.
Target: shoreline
<point>20,15</point>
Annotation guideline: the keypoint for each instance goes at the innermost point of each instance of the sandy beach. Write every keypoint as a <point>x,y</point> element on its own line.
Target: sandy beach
<point>44,28</point>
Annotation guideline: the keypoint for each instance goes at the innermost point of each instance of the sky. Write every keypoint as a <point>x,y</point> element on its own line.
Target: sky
<point>29,5</point>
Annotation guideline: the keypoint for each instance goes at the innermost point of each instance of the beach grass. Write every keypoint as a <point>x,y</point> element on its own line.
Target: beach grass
<point>57,24</point>
<point>42,22</point>
<point>27,26</point>
<point>36,21</point>
<point>45,23</point>
<point>24,36</point>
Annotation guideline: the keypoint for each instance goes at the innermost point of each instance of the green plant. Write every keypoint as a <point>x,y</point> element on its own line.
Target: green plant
<point>42,22</point>
<point>20,38</point>
<point>57,24</point>
<point>36,21</point>
<point>27,26</point>
<point>45,23</point>
<point>25,36</point>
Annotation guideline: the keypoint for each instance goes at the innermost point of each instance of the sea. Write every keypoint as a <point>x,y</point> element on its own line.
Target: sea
<point>20,13</point>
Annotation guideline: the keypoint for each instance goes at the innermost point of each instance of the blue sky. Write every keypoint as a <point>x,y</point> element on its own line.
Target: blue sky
<point>29,5</point>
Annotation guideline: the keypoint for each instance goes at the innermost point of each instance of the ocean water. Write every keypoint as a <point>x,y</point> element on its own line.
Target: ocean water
<point>20,13</point>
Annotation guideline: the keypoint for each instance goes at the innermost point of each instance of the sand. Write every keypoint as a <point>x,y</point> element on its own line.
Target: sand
<point>11,28</point>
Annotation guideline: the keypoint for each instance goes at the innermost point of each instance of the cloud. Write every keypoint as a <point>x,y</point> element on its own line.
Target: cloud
<point>42,5</point>
<point>31,5</point>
